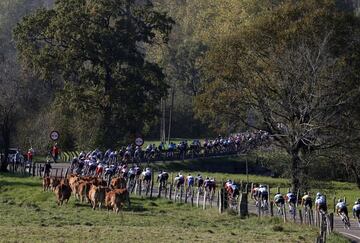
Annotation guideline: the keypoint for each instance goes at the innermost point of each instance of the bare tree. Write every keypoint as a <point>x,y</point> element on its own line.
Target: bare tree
<point>300,82</point>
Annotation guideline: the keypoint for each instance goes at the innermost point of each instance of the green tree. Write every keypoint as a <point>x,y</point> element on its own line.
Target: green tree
<point>97,48</point>
<point>294,68</point>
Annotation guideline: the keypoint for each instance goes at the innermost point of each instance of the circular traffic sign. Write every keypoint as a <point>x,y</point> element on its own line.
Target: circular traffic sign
<point>54,135</point>
<point>139,141</point>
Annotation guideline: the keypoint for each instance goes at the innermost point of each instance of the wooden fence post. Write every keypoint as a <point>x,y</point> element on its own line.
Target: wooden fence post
<point>334,205</point>
<point>197,198</point>
<point>243,205</point>
<point>135,186</point>
<point>272,209</point>
<point>284,211</point>
<point>34,169</point>
<point>331,220</point>
<point>186,194</point>
<point>166,191</point>
<point>159,189</point>
<point>170,190</point>
<point>300,216</point>
<point>181,193</point>
<point>322,229</point>
<point>176,194</point>
<point>221,200</point>
<point>317,219</point>
<point>140,189</point>
<point>311,217</point>
<point>204,202</point>
<point>152,187</point>
<point>192,198</point>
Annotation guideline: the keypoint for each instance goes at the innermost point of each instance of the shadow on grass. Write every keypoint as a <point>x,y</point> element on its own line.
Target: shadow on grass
<point>229,165</point>
<point>19,183</point>
<point>135,207</point>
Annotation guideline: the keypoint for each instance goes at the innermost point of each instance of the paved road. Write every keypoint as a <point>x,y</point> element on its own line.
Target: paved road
<point>353,234</point>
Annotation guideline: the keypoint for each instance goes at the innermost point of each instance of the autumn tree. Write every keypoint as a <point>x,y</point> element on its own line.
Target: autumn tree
<point>295,68</point>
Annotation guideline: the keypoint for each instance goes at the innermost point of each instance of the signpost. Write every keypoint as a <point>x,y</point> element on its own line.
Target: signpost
<point>54,135</point>
<point>139,141</point>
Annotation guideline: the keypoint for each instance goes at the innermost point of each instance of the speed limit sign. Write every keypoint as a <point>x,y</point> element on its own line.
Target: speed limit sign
<point>139,141</point>
<point>54,135</point>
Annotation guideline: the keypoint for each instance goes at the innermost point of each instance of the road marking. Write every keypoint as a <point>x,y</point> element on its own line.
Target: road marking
<point>354,236</point>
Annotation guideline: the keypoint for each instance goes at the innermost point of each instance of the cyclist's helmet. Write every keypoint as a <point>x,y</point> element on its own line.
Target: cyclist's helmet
<point>356,202</point>
<point>340,200</point>
<point>318,194</point>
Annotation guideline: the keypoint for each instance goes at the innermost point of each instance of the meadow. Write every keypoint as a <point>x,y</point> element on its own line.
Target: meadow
<point>30,215</point>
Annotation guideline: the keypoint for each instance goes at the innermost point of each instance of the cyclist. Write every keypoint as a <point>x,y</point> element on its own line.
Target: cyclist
<point>190,181</point>
<point>341,209</point>
<point>147,174</point>
<point>291,200</point>
<point>320,203</point>
<point>254,192</point>
<point>263,196</point>
<point>199,180</point>
<point>306,201</point>
<point>356,211</point>
<point>279,201</point>
<point>163,177</point>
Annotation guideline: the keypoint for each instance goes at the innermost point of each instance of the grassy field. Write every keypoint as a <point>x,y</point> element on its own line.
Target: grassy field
<point>225,165</point>
<point>30,215</point>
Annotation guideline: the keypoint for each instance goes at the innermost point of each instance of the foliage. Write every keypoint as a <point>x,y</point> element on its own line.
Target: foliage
<point>288,67</point>
<point>95,47</point>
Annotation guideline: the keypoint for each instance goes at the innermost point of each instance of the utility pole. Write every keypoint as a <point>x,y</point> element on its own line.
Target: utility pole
<point>170,113</point>
<point>162,120</point>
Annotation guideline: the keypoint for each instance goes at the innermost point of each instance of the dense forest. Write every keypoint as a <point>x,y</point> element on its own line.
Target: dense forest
<point>102,72</point>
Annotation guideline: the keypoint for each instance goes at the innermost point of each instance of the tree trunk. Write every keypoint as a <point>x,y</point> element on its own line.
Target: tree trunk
<point>295,170</point>
<point>107,134</point>
<point>6,138</point>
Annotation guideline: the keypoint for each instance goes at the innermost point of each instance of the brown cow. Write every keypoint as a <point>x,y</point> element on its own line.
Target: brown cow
<point>73,183</point>
<point>116,199</point>
<point>83,190</point>
<point>54,182</point>
<point>63,193</point>
<point>97,195</point>
<point>46,183</point>
<point>118,183</point>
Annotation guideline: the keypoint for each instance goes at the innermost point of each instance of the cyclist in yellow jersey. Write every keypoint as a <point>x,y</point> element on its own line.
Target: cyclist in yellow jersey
<point>306,201</point>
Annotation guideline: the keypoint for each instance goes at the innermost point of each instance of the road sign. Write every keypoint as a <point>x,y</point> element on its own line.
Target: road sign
<point>54,135</point>
<point>139,141</point>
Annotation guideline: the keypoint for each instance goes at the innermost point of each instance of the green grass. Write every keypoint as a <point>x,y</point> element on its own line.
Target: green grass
<point>236,165</point>
<point>30,215</point>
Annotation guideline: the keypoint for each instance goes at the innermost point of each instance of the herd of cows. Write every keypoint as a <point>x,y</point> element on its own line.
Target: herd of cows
<point>90,189</point>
